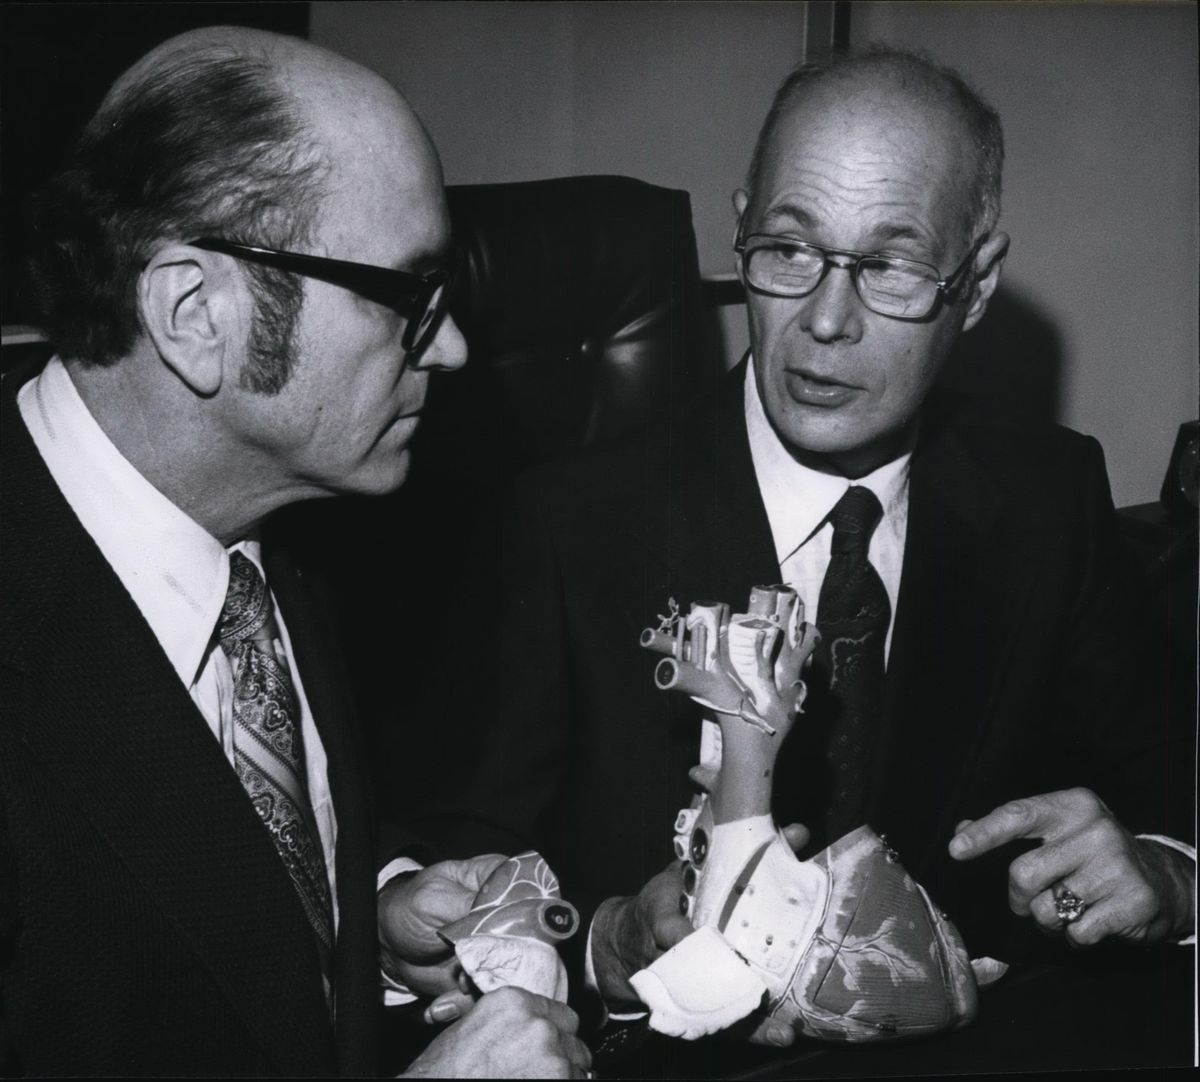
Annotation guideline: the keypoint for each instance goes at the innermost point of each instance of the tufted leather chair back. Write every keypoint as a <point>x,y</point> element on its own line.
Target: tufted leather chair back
<point>579,300</point>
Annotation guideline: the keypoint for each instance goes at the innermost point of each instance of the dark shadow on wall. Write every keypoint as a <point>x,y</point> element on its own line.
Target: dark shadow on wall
<point>1009,366</point>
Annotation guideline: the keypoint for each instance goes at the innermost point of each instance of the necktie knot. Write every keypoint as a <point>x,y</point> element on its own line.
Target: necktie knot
<point>854,518</point>
<point>247,608</point>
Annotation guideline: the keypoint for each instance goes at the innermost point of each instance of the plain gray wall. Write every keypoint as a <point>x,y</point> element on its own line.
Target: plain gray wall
<point>670,93</point>
<point>1097,326</point>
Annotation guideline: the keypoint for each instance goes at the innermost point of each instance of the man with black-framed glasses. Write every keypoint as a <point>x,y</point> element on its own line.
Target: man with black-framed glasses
<point>244,271</point>
<point>974,697</point>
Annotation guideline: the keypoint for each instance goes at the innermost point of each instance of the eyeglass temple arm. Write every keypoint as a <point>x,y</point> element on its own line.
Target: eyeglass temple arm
<point>950,285</point>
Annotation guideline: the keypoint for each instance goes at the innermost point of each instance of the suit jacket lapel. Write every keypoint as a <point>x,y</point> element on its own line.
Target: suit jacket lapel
<point>956,617</point>
<point>953,627</point>
<point>721,539</point>
<point>326,687</point>
<point>123,738</point>
<point>707,540</point>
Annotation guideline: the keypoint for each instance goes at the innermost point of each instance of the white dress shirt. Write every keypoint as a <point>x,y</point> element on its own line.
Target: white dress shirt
<point>176,572</point>
<point>798,500</point>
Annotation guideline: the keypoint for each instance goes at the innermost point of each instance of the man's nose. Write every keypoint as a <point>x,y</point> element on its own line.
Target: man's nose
<point>447,350</point>
<point>833,311</point>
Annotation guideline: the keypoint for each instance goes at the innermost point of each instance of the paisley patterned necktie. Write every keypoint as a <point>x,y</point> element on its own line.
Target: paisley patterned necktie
<point>268,748</point>
<point>853,614</point>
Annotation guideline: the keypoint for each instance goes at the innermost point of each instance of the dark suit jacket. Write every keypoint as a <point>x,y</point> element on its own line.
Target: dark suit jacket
<point>1012,664</point>
<point>147,924</point>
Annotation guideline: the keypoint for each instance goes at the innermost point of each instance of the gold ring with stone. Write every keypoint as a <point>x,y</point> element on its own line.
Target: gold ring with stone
<point>1068,906</point>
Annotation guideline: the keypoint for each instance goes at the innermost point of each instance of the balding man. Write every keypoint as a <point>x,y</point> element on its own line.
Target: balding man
<point>243,268</point>
<point>978,691</point>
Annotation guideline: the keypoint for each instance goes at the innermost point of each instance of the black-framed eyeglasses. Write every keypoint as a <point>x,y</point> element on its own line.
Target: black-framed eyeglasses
<point>887,285</point>
<point>420,298</point>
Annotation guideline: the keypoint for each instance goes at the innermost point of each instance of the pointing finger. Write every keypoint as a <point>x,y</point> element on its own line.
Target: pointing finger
<point>1033,817</point>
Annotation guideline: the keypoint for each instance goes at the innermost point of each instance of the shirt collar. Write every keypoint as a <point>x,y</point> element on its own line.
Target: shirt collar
<point>176,572</point>
<point>798,498</point>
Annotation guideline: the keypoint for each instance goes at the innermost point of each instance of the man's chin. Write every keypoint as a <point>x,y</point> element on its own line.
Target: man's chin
<point>395,475</point>
<point>825,434</point>
<point>384,476</point>
<point>838,451</point>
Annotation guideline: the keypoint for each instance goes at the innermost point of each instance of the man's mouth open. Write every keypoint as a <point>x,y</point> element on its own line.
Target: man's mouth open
<point>810,389</point>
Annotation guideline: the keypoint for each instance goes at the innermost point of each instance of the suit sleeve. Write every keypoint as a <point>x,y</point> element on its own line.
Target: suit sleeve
<point>1129,723</point>
<point>8,934</point>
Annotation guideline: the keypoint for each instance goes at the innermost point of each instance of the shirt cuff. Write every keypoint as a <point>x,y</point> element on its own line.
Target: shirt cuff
<point>395,993</point>
<point>1188,851</point>
<point>593,986</point>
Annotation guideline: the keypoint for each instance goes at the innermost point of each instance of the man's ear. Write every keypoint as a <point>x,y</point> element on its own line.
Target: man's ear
<point>991,259</point>
<point>741,200</point>
<point>188,300</point>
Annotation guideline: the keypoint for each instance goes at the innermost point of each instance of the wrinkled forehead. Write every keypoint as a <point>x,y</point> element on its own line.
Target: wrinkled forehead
<point>866,153</point>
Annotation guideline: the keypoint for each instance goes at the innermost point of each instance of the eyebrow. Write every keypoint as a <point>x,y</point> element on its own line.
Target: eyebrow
<point>786,212</point>
<point>898,232</point>
<point>885,232</point>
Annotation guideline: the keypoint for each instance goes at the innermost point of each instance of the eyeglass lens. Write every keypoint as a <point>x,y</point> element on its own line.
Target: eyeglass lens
<point>886,287</point>
<point>422,327</point>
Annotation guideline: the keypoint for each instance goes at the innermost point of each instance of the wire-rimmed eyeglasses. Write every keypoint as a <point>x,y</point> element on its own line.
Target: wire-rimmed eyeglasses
<point>420,298</point>
<point>887,285</point>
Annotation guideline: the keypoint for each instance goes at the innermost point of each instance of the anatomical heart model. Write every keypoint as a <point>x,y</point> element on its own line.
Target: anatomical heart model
<point>844,946</point>
<point>511,934</point>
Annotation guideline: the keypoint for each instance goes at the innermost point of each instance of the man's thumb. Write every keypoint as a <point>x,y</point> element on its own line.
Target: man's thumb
<point>797,836</point>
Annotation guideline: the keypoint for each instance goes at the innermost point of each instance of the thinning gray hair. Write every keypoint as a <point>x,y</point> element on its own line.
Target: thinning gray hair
<point>922,79</point>
<point>208,143</point>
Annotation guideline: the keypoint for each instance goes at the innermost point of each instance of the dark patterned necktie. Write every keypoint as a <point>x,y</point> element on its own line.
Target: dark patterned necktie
<point>853,614</point>
<point>268,748</point>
